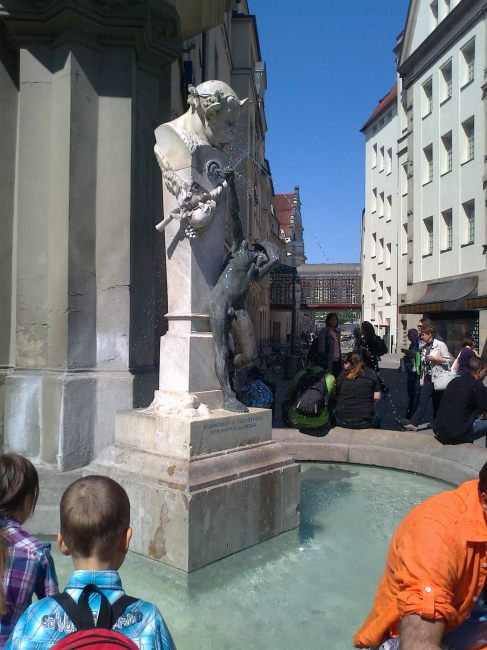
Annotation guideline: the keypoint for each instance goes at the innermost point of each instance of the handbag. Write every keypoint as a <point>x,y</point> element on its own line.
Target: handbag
<point>441,377</point>
<point>456,363</point>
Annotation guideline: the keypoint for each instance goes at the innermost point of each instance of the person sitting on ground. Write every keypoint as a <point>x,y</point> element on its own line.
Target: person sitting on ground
<point>95,532</point>
<point>255,393</point>
<point>329,345</point>
<point>464,400</point>
<point>432,592</point>
<point>26,565</point>
<point>321,387</point>
<point>373,347</point>
<point>468,351</point>
<point>411,363</point>
<point>433,353</point>
<point>358,389</point>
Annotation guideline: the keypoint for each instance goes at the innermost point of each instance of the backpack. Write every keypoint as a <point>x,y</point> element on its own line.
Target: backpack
<point>88,634</point>
<point>381,347</point>
<point>312,393</point>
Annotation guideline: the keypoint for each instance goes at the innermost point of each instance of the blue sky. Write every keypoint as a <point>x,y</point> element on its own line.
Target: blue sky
<point>329,62</point>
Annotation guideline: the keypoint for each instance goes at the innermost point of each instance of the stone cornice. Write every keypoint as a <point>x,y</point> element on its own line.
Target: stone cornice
<point>447,30</point>
<point>152,27</point>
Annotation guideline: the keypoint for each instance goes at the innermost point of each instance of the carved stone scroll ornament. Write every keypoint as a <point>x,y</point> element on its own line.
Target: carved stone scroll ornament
<point>195,207</point>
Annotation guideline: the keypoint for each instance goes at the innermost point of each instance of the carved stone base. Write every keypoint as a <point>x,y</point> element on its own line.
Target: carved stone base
<point>201,489</point>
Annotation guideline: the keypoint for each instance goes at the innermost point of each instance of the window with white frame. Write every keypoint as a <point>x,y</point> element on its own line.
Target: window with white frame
<point>389,162</point>
<point>428,164</point>
<point>467,63</point>
<point>446,7</point>
<point>446,81</point>
<point>446,154</point>
<point>373,282</point>
<point>427,97</point>
<point>433,15</point>
<point>372,311</point>
<point>428,236</point>
<point>380,292</point>
<point>388,208</point>
<point>380,252</point>
<point>373,248</point>
<point>374,155</point>
<point>468,148</point>
<point>404,241</point>
<point>469,222</point>
<point>447,231</point>
<point>404,179</point>
<point>388,255</point>
<point>373,205</point>
<point>381,205</point>
<point>388,295</point>
<point>381,159</point>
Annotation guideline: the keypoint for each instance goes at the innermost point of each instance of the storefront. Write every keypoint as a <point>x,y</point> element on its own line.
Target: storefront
<point>453,307</point>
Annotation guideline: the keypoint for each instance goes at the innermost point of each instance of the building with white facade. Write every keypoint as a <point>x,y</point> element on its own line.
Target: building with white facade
<point>442,63</point>
<point>380,223</point>
<point>439,154</point>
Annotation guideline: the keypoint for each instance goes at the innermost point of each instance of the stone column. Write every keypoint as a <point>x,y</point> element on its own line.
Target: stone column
<point>91,90</point>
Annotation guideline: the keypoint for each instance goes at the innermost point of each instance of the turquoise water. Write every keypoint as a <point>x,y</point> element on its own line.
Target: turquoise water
<point>309,588</point>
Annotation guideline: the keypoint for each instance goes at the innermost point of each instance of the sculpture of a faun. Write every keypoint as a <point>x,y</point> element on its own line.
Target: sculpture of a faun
<point>192,152</point>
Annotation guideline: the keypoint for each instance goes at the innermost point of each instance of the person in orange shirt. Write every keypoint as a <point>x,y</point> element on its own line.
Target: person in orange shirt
<point>432,594</point>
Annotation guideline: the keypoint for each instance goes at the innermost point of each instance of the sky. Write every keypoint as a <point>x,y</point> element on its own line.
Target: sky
<point>329,62</point>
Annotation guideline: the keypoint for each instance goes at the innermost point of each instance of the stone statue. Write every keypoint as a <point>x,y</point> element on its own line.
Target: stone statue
<point>240,270</point>
<point>210,120</point>
<point>190,151</point>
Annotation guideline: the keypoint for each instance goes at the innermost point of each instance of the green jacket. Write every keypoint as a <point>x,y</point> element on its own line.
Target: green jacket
<point>299,420</point>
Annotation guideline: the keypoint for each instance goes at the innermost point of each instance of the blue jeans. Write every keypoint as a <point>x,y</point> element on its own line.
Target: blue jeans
<point>479,428</point>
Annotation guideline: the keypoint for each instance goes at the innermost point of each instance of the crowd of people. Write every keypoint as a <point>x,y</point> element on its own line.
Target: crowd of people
<point>344,389</point>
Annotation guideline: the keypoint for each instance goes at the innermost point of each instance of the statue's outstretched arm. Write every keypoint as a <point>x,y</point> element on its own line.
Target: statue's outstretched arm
<point>272,253</point>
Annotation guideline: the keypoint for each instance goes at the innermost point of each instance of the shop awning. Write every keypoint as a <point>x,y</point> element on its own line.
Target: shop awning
<point>440,296</point>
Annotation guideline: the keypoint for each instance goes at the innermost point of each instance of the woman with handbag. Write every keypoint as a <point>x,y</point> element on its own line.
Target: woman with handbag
<point>434,354</point>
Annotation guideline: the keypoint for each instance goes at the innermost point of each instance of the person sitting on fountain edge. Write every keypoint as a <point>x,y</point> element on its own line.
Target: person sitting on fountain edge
<point>255,393</point>
<point>95,531</point>
<point>307,398</point>
<point>432,593</point>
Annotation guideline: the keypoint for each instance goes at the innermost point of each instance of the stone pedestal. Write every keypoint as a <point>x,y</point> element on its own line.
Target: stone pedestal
<point>204,488</point>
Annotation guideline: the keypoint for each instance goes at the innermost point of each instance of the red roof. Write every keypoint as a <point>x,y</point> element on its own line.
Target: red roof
<point>382,105</point>
<point>283,205</point>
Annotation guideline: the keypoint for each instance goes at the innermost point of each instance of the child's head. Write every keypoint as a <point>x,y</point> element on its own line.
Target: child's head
<point>19,487</point>
<point>95,519</point>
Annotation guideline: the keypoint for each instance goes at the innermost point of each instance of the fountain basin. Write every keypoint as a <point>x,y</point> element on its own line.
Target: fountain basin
<point>307,588</point>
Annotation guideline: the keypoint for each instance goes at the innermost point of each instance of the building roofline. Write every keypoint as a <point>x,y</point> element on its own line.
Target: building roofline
<point>383,104</point>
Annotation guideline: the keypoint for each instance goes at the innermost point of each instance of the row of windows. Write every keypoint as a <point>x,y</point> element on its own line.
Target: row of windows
<point>445,90</point>
<point>381,252</point>
<point>379,287</point>
<point>467,226</point>
<point>383,160</point>
<point>381,204</point>
<point>467,151</point>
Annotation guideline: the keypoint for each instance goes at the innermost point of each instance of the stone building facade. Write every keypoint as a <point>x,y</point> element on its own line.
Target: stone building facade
<point>82,268</point>
<point>380,220</point>
<point>440,161</point>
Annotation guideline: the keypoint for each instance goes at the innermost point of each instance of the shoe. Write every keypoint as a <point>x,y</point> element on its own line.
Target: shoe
<point>410,427</point>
